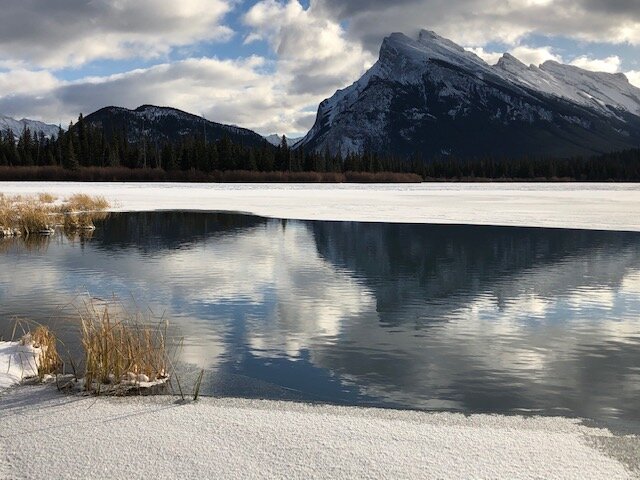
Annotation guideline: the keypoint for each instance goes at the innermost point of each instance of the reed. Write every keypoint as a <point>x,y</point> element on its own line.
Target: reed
<point>45,358</point>
<point>46,198</point>
<point>40,214</point>
<point>49,361</point>
<point>121,349</point>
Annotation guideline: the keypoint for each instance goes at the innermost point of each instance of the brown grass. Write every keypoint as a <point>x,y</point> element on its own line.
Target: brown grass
<point>121,348</point>
<point>46,198</point>
<point>123,174</point>
<point>29,215</point>
<point>47,359</point>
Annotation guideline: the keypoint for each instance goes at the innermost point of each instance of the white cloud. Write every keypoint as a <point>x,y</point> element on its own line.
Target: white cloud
<point>228,91</point>
<point>26,81</point>
<point>534,56</point>
<point>317,50</point>
<point>610,64</point>
<point>73,32</point>
<point>478,22</point>
<point>314,55</point>
<point>634,77</point>
<point>490,57</point>
<point>527,55</point>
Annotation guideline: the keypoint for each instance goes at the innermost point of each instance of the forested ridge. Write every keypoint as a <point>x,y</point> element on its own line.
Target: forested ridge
<point>85,147</point>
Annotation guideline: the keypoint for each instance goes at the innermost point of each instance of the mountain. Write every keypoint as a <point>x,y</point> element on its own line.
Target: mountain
<point>167,124</point>
<point>275,139</point>
<point>17,126</point>
<point>432,98</point>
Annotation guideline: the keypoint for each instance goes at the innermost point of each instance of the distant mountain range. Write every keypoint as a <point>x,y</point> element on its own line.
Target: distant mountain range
<point>275,139</point>
<point>17,126</point>
<point>167,124</point>
<point>431,98</point>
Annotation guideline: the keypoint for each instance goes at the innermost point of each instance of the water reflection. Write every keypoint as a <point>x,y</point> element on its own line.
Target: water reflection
<point>420,316</point>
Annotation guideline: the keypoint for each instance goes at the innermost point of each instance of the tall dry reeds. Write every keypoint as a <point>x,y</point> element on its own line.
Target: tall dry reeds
<point>40,214</point>
<point>121,349</point>
<point>45,359</point>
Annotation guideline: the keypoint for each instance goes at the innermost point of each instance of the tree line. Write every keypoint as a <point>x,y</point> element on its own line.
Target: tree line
<point>85,145</point>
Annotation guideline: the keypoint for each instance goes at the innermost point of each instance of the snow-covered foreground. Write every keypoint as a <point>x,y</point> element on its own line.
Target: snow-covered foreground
<point>588,206</point>
<point>47,435</point>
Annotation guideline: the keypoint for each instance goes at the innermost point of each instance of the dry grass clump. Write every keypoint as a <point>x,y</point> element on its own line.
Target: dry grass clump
<point>121,350</point>
<point>46,198</point>
<point>44,344</point>
<point>34,219</point>
<point>49,361</point>
<point>80,211</point>
<point>81,202</point>
<point>21,215</point>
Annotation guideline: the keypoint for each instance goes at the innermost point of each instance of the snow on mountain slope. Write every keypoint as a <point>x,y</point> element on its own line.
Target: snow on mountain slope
<point>276,140</point>
<point>429,96</point>
<point>166,123</point>
<point>17,126</point>
<point>598,90</point>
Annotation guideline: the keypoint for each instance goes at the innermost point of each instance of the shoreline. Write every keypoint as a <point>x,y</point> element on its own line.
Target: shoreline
<point>47,434</point>
<point>595,206</point>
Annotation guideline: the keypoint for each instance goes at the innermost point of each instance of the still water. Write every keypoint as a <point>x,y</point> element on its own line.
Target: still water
<point>463,318</point>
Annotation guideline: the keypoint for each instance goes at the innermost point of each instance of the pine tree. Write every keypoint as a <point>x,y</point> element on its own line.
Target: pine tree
<point>70,161</point>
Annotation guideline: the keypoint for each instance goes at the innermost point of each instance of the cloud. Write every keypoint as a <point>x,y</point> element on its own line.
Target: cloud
<point>534,56</point>
<point>634,77</point>
<point>527,55</point>
<point>609,64</point>
<point>479,22</point>
<point>316,50</point>
<point>314,54</point>
<point>228,91</point>
<point>73,32</point>
<point>23,81</point>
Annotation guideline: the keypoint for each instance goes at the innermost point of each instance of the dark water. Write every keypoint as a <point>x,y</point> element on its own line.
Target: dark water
<point>469,318</point>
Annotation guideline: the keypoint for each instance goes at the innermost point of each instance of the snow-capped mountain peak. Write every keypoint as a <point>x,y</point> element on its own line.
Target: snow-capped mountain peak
<point>276,139</point>
<point>34,126</point>
<point>429,95</point>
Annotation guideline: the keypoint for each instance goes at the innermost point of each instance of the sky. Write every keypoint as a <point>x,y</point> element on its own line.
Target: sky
<point>267,64</point>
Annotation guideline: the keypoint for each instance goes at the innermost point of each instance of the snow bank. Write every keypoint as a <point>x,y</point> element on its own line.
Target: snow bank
<point>569,205</point>
<point>16,362</point>
<point>49,435</point>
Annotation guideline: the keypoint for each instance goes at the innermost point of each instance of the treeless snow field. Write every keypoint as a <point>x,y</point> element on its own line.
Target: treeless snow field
<point>47,435</point>
<point>603,206</point>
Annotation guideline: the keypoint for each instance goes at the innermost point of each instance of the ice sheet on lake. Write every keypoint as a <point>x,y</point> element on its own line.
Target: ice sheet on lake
<point>599,206</point>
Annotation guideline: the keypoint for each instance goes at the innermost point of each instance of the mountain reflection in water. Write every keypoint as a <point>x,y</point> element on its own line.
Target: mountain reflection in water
<point>466,318</point>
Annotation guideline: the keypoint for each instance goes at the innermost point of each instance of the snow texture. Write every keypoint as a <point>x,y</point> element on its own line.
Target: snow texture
<point>49,435</point>
<point>16,362</point>
<point>606,206</point>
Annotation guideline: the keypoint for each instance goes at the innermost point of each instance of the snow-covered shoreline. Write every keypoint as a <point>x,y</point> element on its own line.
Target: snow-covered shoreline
<point>598,206</point>
<point>50,435</point>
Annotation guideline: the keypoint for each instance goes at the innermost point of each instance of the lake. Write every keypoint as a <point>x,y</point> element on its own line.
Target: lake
<point>458,318</point>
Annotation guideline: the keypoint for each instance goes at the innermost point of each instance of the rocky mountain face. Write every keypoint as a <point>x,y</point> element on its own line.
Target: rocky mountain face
<point>431,98</point>
<point>164,124</point>
<point>34,126</point>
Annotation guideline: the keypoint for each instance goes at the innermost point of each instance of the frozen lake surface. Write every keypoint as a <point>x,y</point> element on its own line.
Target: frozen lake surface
<point>600,206</point>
